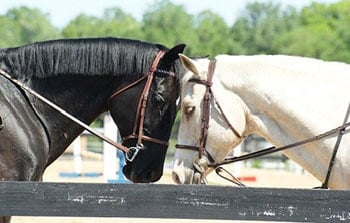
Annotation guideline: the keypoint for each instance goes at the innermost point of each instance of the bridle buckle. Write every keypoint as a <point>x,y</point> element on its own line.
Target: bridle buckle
<point>201,165</point>
<point>133,151</point>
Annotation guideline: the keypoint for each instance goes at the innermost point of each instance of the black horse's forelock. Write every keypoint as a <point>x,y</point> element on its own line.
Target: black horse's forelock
<point>94,56</point>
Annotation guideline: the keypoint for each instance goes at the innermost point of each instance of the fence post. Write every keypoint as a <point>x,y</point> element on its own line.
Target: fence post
<point>237,166</point>
<point>109,152</point>
<point>77,160</point>
<point>77,156</point>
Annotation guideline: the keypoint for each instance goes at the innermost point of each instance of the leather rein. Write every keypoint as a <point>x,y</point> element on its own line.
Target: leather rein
<point>341,130</point>
<point>130,153</point>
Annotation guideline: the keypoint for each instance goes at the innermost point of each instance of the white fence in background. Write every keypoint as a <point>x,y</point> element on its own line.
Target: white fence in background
<point>113,160</point>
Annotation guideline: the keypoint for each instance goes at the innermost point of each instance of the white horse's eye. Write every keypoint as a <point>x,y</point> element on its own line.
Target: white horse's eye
<point>188,110</point>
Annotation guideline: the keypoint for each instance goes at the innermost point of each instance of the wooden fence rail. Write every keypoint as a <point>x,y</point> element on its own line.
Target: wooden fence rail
<point>171,201</point>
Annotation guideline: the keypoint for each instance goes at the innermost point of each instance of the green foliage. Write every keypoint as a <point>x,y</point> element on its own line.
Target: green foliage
<point>113,23</point>
<point>261,25</point>
<point>213,35</point>
<point>168,24</point>
<point>322,32</point>
<point>24,25</point>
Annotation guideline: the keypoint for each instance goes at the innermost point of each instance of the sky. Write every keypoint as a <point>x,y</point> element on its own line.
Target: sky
<point>62,11</point>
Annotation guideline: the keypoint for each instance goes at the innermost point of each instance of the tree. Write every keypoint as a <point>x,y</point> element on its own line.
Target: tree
<point>82,26</point>
<point>115,22</point>
<point>317,41</point>
<point>322,33</point>
<point>342,10</point>
<point>260,25</point>
<point>10,32</point>
<point>169,24</point>
<point>119,23</point>
<point>213,35</point>
<point>24,25</point>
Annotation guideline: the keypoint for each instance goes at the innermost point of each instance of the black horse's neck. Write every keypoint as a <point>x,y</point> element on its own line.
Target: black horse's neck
<point>83,97</point>
<point>79,76</point>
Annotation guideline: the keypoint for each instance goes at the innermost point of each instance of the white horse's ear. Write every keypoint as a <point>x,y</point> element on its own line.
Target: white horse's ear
<point>188,63</point>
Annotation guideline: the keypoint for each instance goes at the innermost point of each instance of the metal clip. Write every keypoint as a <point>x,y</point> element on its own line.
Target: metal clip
<point>201,165</point>
<point>133,151</point>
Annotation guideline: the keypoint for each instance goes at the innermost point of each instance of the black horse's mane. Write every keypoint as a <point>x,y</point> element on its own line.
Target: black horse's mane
<point>93,56</point>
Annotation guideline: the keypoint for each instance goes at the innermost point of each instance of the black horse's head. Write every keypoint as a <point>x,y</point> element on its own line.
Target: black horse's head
<point>152,114</point>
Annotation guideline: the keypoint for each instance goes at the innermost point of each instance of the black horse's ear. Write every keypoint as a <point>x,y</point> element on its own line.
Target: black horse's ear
<point>173,53</point>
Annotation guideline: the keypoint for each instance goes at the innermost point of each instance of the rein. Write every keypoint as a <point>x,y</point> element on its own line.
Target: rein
<point>274,149</point>
<point>340,129</point>
<point>130,153</point>
<point>63,112</point>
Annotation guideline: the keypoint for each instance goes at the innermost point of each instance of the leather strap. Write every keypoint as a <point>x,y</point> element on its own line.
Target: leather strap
<point>141,106</point>
<point>63,112</point>
<point>335,151</point>
<point>208,96</point>
<point>206,109</point>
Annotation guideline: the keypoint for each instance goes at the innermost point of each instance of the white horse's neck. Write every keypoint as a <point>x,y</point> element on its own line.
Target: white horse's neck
<point>293,98</point>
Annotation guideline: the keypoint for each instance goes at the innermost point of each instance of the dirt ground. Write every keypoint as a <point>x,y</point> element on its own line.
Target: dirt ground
<point>254,177</point>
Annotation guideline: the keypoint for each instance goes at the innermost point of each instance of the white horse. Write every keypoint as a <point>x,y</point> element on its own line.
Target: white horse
<point>281,98</point>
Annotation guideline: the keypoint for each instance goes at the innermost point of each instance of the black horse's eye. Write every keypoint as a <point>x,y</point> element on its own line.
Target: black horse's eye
<point>159,99</point>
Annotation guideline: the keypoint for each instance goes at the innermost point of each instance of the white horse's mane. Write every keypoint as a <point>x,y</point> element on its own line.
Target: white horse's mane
<point>297,63</point>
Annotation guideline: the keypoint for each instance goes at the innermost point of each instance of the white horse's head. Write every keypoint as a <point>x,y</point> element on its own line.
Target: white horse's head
<point>227,124</point>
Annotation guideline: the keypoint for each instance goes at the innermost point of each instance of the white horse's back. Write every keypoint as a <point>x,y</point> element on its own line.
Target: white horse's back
<point>313,90</point>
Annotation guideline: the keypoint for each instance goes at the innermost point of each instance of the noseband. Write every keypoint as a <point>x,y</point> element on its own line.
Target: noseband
<point>141,109</point>
<point>208,96</point>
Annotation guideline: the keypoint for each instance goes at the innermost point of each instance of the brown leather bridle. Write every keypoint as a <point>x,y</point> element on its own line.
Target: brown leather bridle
<point>208,96</point>
<point>141,109</point>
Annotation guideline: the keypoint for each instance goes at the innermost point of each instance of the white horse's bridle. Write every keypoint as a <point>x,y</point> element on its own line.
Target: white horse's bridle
<point>201,164</point>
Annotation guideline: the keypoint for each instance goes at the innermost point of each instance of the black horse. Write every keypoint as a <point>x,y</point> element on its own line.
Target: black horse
<point>86,77</point>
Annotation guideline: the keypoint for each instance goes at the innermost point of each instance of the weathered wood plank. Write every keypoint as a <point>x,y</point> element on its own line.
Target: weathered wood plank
<point>171,201</point>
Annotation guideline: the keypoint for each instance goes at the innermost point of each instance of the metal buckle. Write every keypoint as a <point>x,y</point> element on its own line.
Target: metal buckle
<point>133,151</point>
<point>201,165</point>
